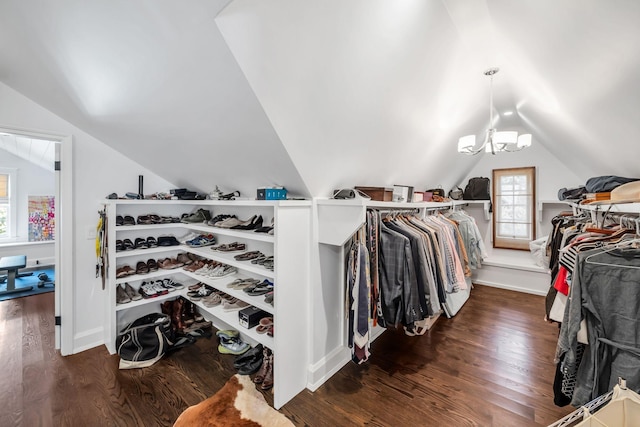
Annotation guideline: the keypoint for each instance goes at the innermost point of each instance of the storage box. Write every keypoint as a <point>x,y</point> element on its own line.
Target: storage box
<point>402,193</point>
<point>271,194</point>
<point>250,316</point>
<point>379,194</point>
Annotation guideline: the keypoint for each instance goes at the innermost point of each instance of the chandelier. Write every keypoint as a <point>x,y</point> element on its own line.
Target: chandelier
<point>495,141</point>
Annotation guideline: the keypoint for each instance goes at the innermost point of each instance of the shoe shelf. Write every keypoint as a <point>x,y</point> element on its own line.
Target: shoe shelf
<point>148,251</point>
<point>145,301</point>
<point>231,320</point>
<point>153,274</point>
<point>290,246</point>
<point>221,285</point>
<point>139,227</point>
<point>238,234</point>
<point>228,258</point>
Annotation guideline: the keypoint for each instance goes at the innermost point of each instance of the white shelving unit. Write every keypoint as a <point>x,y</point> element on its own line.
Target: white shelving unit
<point>290,245</point>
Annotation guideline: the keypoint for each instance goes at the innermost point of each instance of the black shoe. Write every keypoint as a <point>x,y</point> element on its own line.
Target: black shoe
<point>249,362</point>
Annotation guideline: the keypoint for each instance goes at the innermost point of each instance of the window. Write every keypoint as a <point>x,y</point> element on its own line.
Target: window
<point>7,203</point>
<point>514,224</point>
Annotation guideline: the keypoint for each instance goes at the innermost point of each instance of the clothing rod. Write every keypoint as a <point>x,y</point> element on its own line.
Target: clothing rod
<point>398,210</point>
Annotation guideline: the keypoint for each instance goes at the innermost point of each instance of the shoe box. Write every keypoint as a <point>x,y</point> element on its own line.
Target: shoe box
<point>250,316</point>
<point>271,193</point>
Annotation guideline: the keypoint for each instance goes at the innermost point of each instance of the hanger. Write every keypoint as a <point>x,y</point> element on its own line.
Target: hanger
<point>624,243</point>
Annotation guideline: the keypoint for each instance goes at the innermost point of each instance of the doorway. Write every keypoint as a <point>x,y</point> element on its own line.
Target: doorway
<point>63,258</point>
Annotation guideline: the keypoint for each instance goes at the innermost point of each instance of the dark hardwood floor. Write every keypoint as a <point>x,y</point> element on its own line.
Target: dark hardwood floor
<point>491,365</point>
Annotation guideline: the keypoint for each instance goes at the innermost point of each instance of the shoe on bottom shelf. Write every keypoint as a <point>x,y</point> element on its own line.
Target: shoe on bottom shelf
<point>233,346</point>
<point>249,362</point>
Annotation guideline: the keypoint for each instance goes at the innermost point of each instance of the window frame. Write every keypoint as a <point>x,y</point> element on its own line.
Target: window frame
<point>11,201</point>
<point>502,242</point>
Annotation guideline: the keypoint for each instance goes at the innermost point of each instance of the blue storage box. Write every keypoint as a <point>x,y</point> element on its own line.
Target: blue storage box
<point>272,194</point>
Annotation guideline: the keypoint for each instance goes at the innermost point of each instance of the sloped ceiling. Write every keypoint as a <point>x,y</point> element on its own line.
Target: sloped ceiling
<point>317,95</point>
<point>152,79</point>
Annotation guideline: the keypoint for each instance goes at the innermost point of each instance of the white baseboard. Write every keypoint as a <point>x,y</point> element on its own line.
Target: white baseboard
<point>88,339</point>
<point>509,287</point>
<point>326,367</point>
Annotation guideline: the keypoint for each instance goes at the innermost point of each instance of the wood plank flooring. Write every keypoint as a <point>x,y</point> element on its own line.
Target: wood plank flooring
<point>491,365</point>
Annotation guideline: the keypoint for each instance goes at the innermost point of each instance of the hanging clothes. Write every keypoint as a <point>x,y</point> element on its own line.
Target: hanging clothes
<point>605,295</point>
<point>416,265</point>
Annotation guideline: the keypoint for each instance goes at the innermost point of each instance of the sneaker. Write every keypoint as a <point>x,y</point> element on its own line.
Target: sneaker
<point>233,346</point>
<point>201,215</point>
<point>234,305</point>
<point>121,295</point>
<point>222,271</point>
<point>159,289</point>
<point>147,290</point>
<point>227,334</point>
<point>204,291</point>
<point>168,283</point>
<point>212,300</point>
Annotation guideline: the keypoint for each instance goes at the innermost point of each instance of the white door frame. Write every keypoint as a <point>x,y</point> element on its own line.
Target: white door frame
<point>65,283</point>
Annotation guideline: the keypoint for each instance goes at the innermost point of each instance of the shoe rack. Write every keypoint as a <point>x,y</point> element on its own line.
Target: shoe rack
<point>290,246</point>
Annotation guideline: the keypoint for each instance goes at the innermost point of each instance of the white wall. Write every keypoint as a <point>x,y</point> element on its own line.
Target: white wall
<point>97,171</point>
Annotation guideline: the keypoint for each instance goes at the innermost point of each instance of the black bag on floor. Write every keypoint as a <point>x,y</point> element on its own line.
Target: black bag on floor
<point>478,188</point>
<point>144,341</point>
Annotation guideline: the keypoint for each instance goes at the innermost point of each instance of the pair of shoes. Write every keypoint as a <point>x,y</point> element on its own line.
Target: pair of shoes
<point>249,362</point>
<point>199,216</point>
<point>261,288</point>
<point>169,263</point>
<point>199,328</point>
<point>184,259</point>
<point>251,224</point>
<point>149,219</point>
<point>124,245</point>
<point>219,218</point>
<point>170,285</point>
<point>125,220</point>
<point>202,240</point>
<point>266,323</point>
<point>125,294</point>
<point>247,256</point>
<point>124,271</point>
<point>223,270</point>
<point>243,283</point>
<point>264,377</point>
<point>152,290</point>
<point>230,247</point>
<point>261,260</point>
<point>168,241</point>
<point>234,304</point>
<point>142,267</point>
<point>232,345</point>
<point>212,300</point>
<point>202,292</point>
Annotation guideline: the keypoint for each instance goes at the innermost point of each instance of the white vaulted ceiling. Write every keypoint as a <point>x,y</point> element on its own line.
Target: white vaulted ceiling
<point>317,95</point>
